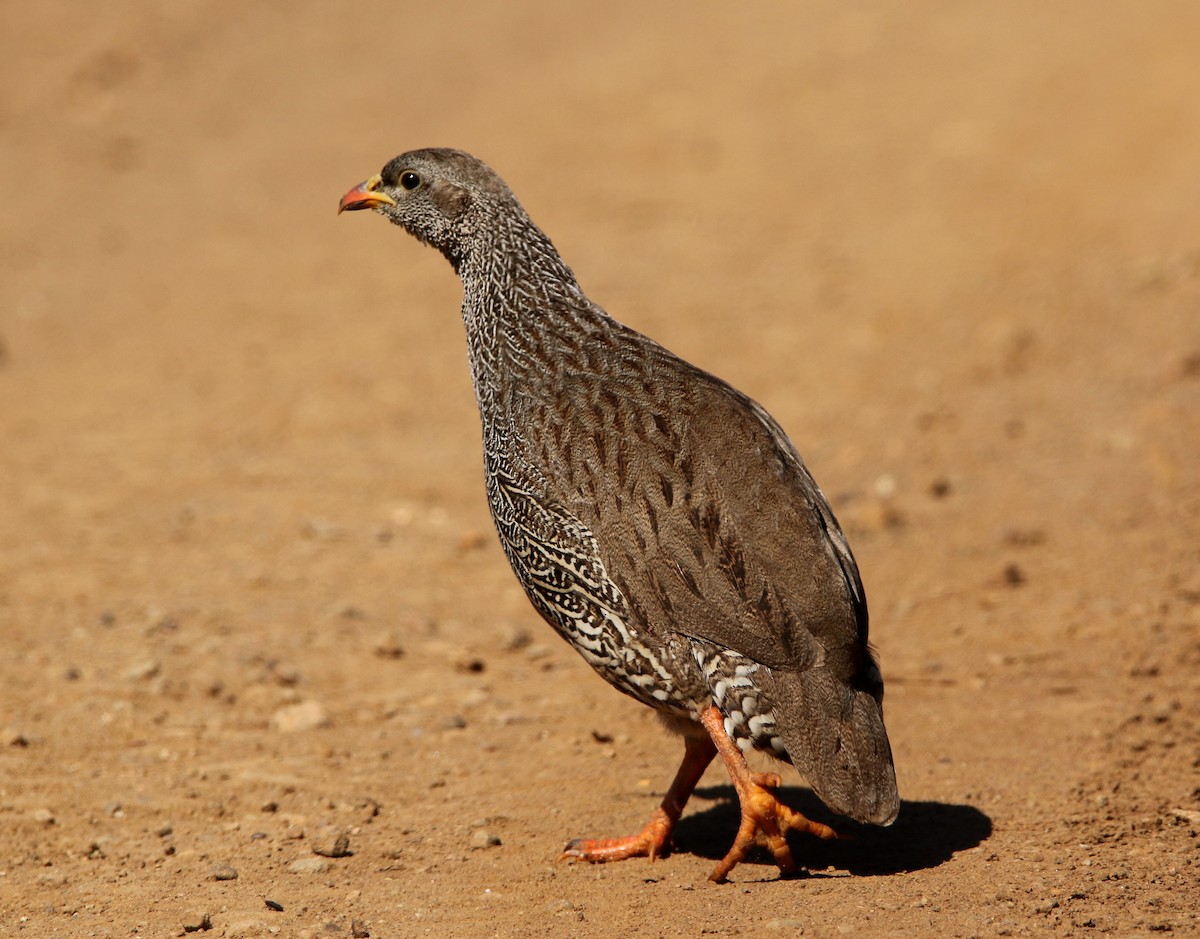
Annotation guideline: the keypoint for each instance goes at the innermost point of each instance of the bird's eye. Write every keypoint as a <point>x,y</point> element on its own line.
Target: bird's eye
<point>410,180</point>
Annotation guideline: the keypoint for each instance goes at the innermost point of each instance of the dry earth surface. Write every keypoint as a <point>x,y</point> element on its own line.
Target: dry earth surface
<point>265,671</point>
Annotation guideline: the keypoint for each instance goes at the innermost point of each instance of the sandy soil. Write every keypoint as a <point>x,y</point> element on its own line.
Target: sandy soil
<point>250,602</point>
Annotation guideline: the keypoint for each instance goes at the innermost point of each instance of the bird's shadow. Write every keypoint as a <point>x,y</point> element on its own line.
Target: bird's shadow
<point>926,834</point>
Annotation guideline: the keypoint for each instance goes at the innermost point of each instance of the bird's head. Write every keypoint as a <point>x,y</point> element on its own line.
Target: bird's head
<point>437,195</point>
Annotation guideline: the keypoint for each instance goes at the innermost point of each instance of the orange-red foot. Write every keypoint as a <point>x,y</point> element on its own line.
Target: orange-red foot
<point>653,841</point>
<point>765,820</point>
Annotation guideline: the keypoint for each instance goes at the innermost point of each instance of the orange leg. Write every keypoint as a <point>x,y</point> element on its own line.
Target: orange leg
<point>653,840</point>
<point>764,817</point>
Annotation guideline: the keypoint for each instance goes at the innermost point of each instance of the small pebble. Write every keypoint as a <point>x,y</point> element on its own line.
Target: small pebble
<point>286,675</point>
<point>274,905</point>
<point>561,905</point>
<point>389,647</point>
<point>940,488</point>
<point>52,879</point>
<point>359,930</point>
<point>1013,576</point>
<point>484,839</point>
<point>197,922</point>
<point>224,872</point>
<point>331,842</point>
<point>44,817</point>
<point>307,715</point>
<point>143,670</point>
<point>309,865</point>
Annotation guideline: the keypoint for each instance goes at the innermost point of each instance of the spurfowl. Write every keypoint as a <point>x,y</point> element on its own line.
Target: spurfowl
<point>659,520</point>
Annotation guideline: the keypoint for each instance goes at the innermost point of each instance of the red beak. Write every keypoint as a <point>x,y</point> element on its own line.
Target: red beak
<point>365,196</point>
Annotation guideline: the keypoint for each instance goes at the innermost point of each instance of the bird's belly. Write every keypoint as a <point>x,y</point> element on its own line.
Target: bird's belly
<point>558,563</point>
<point>661,674</point>
<point>699,674</point>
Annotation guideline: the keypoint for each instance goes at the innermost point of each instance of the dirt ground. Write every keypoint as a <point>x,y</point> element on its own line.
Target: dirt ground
<point>251,605</point>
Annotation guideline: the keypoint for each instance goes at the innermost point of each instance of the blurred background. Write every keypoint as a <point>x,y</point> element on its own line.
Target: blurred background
<point>952,248</point>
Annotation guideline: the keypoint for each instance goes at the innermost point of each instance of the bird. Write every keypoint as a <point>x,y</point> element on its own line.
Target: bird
<point>660,521</point>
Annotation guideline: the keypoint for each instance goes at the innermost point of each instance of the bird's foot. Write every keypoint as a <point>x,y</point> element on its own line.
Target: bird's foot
<point>652,841</point>
<point>655,839</point>
<point>766,821</point>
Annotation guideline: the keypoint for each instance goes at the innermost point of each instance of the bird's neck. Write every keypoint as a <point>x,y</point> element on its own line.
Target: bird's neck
<point>520,301</point>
